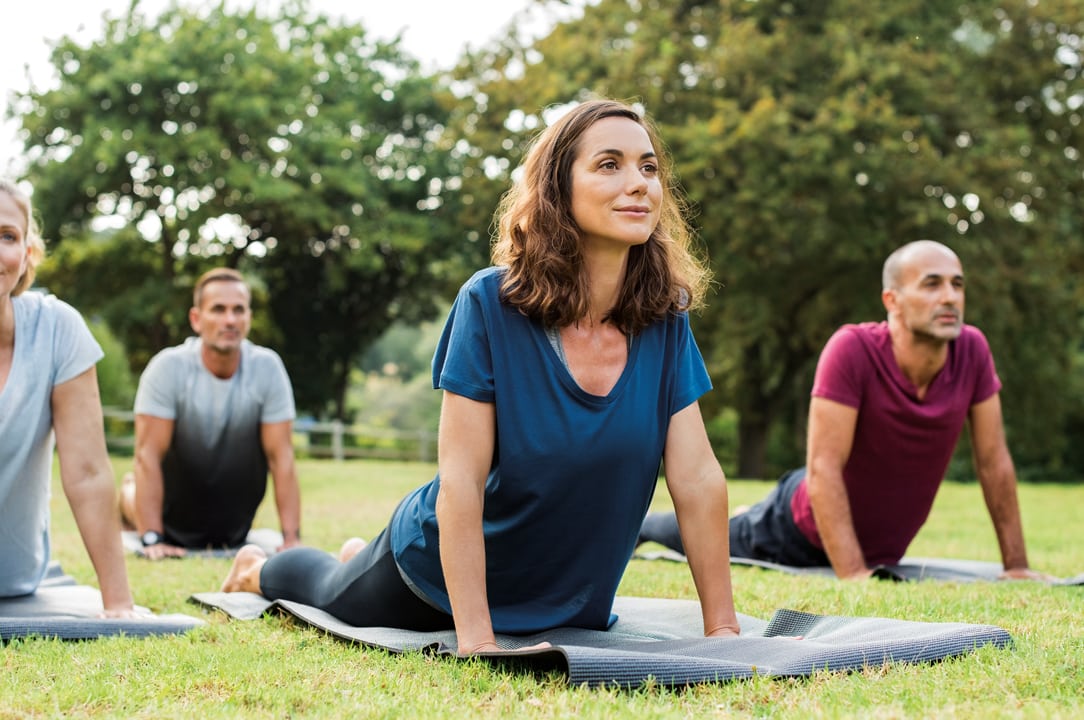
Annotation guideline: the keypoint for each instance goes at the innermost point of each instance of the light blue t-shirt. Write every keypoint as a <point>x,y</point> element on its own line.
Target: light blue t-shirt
<point>573,473</point>
<point>52,345</point>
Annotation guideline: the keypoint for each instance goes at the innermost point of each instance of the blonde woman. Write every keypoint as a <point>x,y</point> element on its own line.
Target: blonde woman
<point>49,389</point>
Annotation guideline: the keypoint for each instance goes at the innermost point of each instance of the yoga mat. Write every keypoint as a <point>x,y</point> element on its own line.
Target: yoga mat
<point>663,640</point>
<point>909,569</point>
<point>65,610</point>
<point>269,541</point>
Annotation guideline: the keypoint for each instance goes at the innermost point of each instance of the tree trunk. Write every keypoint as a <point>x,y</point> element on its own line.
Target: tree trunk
<point>342,384</point>
<point>752,445</point>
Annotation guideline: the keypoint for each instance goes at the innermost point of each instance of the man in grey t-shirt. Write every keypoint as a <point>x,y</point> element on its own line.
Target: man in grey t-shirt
<point>213,416</point>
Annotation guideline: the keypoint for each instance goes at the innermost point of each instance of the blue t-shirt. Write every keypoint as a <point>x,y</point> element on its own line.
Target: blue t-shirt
<point>52,346</point>
<point>573,473</point>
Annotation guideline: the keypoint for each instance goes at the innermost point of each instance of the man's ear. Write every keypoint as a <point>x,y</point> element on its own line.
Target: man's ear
<point>193,319</point>
<point>888,299</point>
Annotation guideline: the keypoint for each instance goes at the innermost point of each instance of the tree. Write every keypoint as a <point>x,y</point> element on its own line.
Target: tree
<point>816,137</point>
<point>290,146</point>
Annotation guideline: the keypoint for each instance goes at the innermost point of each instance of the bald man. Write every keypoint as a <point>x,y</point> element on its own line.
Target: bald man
<point>889,402</point>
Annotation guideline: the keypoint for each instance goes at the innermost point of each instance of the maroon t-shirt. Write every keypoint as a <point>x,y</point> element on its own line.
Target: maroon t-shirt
<point>902,445</point>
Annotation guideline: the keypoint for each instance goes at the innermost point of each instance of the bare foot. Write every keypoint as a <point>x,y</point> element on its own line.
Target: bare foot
<point>245,572</point>
<point>351,548</point>
<point>126,502</point>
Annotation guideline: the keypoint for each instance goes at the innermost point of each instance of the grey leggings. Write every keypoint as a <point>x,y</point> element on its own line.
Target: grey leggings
<point>365,591</point>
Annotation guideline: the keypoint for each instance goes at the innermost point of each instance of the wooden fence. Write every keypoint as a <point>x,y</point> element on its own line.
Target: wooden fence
<point>335,439</point>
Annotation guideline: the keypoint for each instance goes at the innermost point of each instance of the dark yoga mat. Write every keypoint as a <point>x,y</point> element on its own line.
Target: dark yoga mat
<point>65,610</point>
<point>269,541</point>
<point>663,639</point>
<point>908,569</point>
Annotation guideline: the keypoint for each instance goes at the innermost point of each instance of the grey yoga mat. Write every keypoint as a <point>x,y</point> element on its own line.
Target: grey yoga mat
<point>65,610</point>
<point>662,640</point>
<point>908,569</point>
<point>269,541</point>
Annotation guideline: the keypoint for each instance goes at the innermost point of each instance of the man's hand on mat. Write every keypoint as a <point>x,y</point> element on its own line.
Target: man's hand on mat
<point>492,647</point>
<point>863,574</point>
<point>163,550</point>
<point>1025,574</point>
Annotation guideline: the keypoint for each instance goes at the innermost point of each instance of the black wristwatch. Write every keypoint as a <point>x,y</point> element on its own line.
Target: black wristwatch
<point>151,537</point>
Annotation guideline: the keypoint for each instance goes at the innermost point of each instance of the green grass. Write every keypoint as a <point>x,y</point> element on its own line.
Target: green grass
<point>270,668</point>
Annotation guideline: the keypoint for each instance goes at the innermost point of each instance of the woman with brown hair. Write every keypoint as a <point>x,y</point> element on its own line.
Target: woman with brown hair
<point>569,374</point>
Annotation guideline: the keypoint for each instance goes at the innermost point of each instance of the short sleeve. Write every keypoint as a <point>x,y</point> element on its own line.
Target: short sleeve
<point>462,363</point>
<point>839,377</point>
<point>691,374</point>
<point>74,347</point>
<point>156,394</point>
<point>987,382</point>
<point>278,405</point>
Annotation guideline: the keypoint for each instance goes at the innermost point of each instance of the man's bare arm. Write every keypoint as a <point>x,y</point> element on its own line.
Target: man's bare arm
<point>277,441</point>
<point>997,475</point>
<point>831,435</point>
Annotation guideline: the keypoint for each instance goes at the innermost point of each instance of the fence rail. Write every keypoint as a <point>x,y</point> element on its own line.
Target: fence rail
<point>335,439</point>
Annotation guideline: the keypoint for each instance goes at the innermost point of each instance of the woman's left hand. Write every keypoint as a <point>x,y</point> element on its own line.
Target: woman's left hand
<point>492,647</point>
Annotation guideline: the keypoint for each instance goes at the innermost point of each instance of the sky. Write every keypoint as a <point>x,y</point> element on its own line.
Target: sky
<point>434,31</point>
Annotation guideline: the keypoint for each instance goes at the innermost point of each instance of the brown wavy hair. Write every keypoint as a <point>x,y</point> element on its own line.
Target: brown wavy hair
<point>539,242</point>
<point>31,235</point>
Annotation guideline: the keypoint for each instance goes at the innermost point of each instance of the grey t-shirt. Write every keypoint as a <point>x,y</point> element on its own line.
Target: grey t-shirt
<point>52,345</point>
<point>215,470</point>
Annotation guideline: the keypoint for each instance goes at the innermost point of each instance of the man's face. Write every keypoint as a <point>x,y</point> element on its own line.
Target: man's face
<point>223,317</point>
<point>929,301</point>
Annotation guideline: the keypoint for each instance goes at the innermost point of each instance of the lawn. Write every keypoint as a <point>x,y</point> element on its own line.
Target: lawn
<point>270,668</point>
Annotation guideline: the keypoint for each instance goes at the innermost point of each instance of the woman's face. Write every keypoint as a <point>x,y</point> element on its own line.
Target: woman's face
<point>13,248</point>
<point>616,191</point>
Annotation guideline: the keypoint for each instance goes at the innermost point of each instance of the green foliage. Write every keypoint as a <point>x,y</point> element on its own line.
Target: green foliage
<point>387,402</point>
<point>274,668</point>
<point>405,350</point>
<point>115,277</point>
<point>116,383</point>
<point>814,138</point>
<point>289,145</point>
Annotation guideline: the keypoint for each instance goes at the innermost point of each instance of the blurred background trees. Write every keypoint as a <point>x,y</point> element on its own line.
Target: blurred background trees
<point>813,138</point>
<point>288,146</point>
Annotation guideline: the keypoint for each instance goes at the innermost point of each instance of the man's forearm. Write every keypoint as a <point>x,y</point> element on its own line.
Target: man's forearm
<point>832,511</point>
<point>150,489</point>
<point>999,492</point>
<point>288,501</point>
